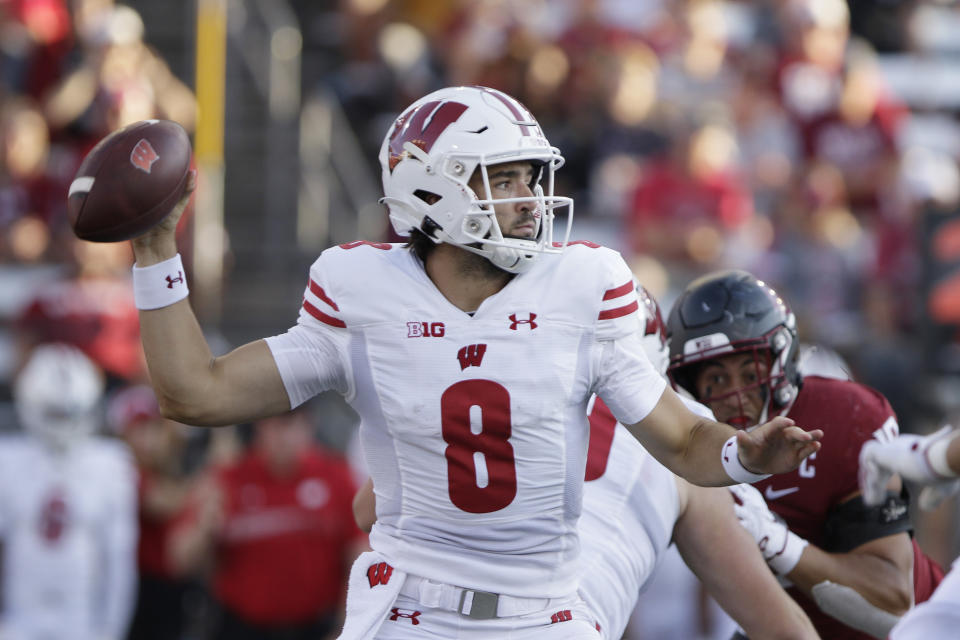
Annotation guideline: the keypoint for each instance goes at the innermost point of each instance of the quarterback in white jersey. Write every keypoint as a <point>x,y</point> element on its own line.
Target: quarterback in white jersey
<point>68,520</point>
<point>634,508</point>
<point>470,358</point>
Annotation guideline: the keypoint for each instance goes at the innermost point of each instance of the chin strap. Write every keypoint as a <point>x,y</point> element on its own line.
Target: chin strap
<point>852,609</point>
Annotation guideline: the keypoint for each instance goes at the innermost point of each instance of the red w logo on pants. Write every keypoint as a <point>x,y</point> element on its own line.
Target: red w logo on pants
<point>379,574</point>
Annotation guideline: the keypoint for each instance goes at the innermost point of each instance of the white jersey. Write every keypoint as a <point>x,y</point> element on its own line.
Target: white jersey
<point>69,529</point>
<point>630,506</point>
<point>938,617</point>
<point>473,426</point>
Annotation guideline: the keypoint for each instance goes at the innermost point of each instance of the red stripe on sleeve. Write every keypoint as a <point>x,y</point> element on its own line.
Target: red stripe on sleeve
<point>320,293</point>
<point>322,317</point>
<point>610,314</point>
<point>614,293</point>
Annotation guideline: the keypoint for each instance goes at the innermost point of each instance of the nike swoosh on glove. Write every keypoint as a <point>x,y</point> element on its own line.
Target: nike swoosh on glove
<point>780,547</point>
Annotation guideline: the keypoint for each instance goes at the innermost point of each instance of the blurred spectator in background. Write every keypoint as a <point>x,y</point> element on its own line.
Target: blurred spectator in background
<point>117,80</point>
<point>163,488</point>
<point>687,203</point>
<point>67,508</point>
<point>277,529</point>
<point>91,308</point>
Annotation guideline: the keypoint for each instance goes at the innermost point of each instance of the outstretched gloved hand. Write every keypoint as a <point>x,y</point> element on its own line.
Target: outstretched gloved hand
<point>781,548</point>
<point>909,456</point>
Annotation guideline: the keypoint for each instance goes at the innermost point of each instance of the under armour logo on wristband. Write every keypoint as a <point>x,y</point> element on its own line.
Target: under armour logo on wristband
<point>404,613</point>
<point>171,281</point>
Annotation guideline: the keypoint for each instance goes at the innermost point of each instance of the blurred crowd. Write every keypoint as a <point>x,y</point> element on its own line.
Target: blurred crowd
<point>698,134</point>
<point>705,133</point>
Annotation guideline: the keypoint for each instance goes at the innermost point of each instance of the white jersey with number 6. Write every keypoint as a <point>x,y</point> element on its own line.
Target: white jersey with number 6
<point>473,425</point>
<point>68,527</point>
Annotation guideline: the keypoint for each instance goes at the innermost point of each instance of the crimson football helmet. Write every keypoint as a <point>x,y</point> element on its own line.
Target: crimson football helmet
<point>732,312</point>
<point>433,149</point>
<point>57,394</point>
<point>654,336</point>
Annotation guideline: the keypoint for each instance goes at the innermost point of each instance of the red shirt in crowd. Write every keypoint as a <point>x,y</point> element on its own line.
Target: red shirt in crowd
<point>283,553</point>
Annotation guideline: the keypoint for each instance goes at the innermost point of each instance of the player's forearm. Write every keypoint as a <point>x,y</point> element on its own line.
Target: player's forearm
<point>881,581</point>
<point>737,578</point>
<point>687,444</point>
<point>179,360</point>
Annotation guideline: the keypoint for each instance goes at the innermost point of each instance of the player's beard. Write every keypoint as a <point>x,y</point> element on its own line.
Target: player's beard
<point>478,267</point>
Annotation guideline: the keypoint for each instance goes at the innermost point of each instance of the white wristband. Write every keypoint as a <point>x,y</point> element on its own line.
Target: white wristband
<point>730,457</point>
<point>159,285</point>
<point>782,561</point>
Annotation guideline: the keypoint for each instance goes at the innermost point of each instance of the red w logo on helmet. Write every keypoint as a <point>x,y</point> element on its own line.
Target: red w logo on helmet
<point>422,125</point>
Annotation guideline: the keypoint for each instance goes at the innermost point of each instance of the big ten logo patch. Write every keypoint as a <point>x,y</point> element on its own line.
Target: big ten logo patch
<point>425,330</point>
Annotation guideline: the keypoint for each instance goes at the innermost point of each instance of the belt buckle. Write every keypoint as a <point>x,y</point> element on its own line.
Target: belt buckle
<point>483,606</point>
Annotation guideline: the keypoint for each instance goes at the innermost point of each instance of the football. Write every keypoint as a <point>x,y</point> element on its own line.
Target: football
<point>129,181</point>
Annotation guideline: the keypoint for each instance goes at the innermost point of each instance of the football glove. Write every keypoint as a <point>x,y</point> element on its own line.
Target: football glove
<point>780,547</point>
<point>908,456</point>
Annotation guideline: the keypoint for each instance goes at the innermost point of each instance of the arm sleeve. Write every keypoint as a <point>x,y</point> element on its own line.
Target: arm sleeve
<point>311,356</point>
<point>626,379</point>
<point>120,549</point>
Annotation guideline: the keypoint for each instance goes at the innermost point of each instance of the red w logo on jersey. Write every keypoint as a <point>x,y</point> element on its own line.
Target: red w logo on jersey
<point>379,574</point>
<point>471,355</point>
<point>143,156</point>
<point>422,125</point>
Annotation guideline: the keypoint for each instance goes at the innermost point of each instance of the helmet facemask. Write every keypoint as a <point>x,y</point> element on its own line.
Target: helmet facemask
<point>776,390</point>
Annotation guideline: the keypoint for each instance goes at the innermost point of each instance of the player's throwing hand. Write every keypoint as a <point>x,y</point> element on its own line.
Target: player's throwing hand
<point>776,446</point>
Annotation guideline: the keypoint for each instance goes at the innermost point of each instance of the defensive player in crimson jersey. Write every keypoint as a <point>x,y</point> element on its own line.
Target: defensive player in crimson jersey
<point>853,568</point>
<point>470,359</point>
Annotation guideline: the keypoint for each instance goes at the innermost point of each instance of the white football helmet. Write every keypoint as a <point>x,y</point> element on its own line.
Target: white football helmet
<point>57,395</point>
<point>433,149</point>
<point>654,333</point>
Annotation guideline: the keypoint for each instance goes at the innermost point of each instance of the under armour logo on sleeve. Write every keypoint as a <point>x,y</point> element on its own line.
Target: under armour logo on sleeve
<point>171,280</point>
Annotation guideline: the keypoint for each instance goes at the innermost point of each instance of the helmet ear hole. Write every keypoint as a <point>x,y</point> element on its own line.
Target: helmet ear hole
<point>428,196</point>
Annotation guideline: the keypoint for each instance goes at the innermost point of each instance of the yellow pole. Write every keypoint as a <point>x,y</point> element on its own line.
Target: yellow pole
<point>211,61</point>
